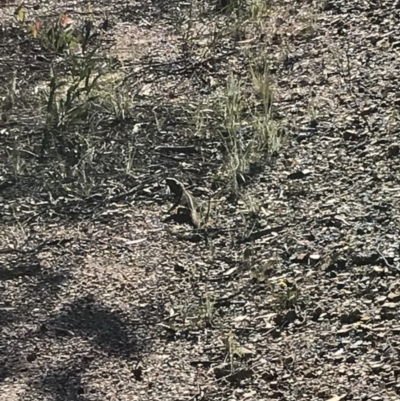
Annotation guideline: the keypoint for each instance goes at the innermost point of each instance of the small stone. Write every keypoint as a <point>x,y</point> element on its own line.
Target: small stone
<point>394,297</point>
<point>390,305</point>
<point>349,318</point>
<point>296,176</point>
<point>393,150</point>
<point>31,357</point>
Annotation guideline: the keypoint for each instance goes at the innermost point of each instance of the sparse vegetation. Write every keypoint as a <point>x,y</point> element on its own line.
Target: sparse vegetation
<point>269,119</point>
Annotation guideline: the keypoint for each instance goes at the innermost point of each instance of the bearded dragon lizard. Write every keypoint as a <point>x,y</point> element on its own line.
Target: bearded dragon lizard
<point>190,205</point>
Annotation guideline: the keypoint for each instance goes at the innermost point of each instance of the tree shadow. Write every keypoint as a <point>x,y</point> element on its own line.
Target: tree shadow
<point>28,305</point>
<point>106,329</point>
<point>63,384</point>
<point>19,267</point>
<point>118,335</point>
<point>27,289</point>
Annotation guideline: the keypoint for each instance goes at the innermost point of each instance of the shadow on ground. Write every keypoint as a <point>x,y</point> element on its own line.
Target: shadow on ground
<point>32,329</point>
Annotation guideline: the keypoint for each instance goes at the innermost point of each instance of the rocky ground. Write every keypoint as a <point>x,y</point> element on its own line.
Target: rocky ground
<point>291,289</point>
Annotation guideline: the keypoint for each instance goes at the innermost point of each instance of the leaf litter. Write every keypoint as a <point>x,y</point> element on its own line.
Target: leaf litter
<point>293,297</point>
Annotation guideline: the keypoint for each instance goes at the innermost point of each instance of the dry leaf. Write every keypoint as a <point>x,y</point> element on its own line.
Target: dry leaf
<point>337,397</point>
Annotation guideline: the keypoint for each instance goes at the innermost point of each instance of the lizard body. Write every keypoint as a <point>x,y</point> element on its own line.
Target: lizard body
<point>185,199</point>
